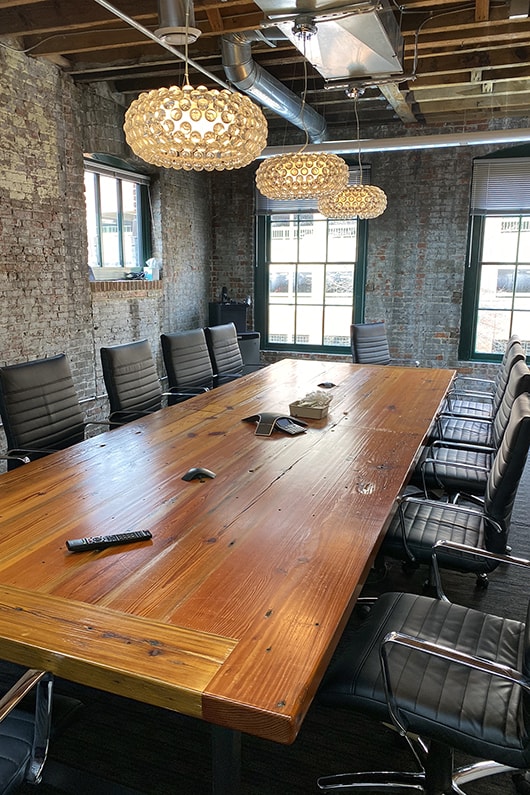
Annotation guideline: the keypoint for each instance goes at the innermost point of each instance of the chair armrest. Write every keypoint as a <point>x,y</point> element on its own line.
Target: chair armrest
<point>188,392</point>
<point>473,448</point>
<point>482,553</point>
<point>127,416</point>
<point>462,415</point>
<point>417,644</point>
<point>436,473</point>
<point>29,453</point>
<point>43,682</point>
<point>20,690</point>
<point>463,549</point>
<point>448,507</point>
<point>477,397</point>
<point>24,459</point>
<point>487,423</point>
<point>488,383</point>
<point>106,423</point>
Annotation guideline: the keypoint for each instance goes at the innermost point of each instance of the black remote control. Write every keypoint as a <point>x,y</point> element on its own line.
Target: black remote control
<point>102,542</point>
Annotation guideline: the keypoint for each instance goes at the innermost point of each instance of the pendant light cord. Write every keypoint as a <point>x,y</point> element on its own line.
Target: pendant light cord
<point>355,99</point>
<point>304,94</point>
<point>186,34</point>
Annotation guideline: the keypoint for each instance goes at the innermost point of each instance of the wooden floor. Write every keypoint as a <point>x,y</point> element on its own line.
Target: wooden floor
<point>122,747</point>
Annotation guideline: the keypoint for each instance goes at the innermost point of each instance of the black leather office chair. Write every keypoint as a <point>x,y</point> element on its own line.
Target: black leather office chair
<point>419,523</point>
<point>30,714</point>
<point>485,404</point>
<point>448,678</point>
<point>131,380</point>
<point>369,343</point>
<point>40,409</point>
<point>462,462</point>
<point>482,431</point>
<point>21,459</point>
<point>227,362</point>
<point>188,364</point>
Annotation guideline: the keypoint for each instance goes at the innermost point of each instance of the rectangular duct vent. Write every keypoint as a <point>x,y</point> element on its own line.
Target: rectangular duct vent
<point>351,41</point>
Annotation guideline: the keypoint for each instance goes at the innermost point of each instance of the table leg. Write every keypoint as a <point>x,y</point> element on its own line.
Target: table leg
<point>226,761</point>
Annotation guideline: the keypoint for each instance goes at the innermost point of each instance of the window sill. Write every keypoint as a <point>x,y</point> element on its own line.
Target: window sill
<point>125,286</point>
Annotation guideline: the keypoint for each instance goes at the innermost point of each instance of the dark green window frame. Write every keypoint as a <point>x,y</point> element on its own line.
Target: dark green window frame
<point>500,188</point>
<point>113,168</point>
<point>261,288</point>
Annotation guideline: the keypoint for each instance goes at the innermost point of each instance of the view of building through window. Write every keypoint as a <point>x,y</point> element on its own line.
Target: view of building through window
<point>504,290</point>
<point>311,279</point>
<point>113,221</point>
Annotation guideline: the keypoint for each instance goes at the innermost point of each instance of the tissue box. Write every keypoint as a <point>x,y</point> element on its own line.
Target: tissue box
<point>308,412</point>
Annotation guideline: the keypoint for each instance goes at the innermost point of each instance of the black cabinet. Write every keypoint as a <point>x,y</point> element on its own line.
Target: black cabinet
<point>220,313</point>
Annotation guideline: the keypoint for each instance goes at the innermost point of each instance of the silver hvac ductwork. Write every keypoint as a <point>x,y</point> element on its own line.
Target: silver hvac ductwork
<point>248,76</point>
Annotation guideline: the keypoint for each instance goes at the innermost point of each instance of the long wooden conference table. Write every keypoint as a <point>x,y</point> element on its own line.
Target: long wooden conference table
<point>232,611</point>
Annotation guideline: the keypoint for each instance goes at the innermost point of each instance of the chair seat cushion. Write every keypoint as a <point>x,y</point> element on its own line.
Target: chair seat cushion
<point>463,708</point>
<point>469,408</point>
<point>16,739</point>
<point>458,429</point>
<point>427,522</point>
<point>454,469</point>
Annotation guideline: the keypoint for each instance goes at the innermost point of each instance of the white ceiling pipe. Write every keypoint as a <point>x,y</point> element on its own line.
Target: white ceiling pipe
<point>407,142</point>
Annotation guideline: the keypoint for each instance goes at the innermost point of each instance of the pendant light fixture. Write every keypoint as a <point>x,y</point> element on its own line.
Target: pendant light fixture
<point>354,201</point>
<point>302,175</point>
<point>195,129</point>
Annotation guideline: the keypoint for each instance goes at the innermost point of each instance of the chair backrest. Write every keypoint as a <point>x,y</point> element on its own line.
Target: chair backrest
<point>131,380</point>
<point>505,474</point>
<point>224,350</point>
<point>369,343</point>
<point>186,359</point>
<point>514,353</point>
<point>514,338</point>
<point>518,382</point>
<point>39,405</point>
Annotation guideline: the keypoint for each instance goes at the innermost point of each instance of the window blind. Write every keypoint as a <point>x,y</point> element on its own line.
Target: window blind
<point>501,185</point>
<point>117,173</point>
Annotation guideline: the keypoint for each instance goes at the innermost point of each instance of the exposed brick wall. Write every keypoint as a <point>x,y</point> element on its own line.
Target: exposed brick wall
<point>416,250</point>
<point>233,235</point>
<point>183,243</point>
<point>43,275</point>
<point>47,123</point>
<point>203,235</point>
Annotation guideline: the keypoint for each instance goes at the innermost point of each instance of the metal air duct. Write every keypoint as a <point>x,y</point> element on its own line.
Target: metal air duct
<point>352,40</point>
<point>250,77</point>
<point>174,28</point>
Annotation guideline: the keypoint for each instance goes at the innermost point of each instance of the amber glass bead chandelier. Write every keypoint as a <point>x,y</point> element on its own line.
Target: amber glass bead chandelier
<point>304,174</point>
<point>354,201</point>
<point>195,128</point>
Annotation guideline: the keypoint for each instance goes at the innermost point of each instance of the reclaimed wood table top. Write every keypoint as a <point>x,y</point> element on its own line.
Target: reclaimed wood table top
<point>232,611</point>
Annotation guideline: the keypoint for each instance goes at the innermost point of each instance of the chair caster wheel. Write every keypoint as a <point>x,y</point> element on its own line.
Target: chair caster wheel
<point>409,568</point>
<point>482,582</point>
<point>428,589</point>
<point>521,783</point>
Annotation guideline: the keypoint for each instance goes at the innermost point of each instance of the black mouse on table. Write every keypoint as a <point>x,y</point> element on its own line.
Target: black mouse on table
<point>198,472</point>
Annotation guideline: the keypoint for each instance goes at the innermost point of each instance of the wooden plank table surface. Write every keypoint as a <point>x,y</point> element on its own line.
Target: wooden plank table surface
<point>233,609</point>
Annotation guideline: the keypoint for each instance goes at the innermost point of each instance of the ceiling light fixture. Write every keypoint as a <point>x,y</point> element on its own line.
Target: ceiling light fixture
<point>302,175</point>
<point>195,129</point>
<point>361,201</point>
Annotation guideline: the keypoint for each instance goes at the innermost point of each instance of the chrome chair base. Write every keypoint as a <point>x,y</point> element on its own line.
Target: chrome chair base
<point>403,783</point>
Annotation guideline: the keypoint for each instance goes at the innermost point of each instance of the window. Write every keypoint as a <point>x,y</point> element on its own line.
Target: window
<point>118,220</point>
<point>497,282</point>
<point>310,274</point>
